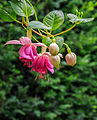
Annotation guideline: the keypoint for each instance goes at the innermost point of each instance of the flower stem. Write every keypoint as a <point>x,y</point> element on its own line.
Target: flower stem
<point>33,9</point>
<point>66,30</point>
<point>35,39</point>
<point>36,32</point>
<point>34,12</point>
<point>68,48</point>
<point>27,20</point>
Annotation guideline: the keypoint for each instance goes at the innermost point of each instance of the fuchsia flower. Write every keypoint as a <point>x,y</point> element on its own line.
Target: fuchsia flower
<point>27,51</point>
<point>28,54</point>
<point>41,64</point>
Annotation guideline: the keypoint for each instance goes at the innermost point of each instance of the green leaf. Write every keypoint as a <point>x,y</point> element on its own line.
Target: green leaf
<point>7,14</point>
<point>19,111</point>
<point>54,19</point>
<point>37,25</point>
<point>59,41</point>
<point>73,18</point>
<point>85,20</point>
<point>19,8</point>
<point>47,41</point>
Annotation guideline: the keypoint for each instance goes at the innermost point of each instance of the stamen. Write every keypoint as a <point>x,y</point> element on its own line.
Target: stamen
<point>36,76</point>
<point>45,77</point>
<point>40,76</point>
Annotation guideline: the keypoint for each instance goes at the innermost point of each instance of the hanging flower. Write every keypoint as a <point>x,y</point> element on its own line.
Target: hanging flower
<point>41,64</point>
<point>71,58</point>
<point>28,51</point>
<point>53,49</point>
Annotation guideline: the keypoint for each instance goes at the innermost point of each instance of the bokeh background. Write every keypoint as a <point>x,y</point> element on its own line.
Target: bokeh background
<point>71,93</point>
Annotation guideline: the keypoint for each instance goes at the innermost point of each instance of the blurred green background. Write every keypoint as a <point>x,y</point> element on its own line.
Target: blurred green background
<point>71,93</point>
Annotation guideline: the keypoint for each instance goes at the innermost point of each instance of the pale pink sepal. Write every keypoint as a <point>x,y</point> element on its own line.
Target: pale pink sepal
<point>13,42</point>
<point>39,44</point>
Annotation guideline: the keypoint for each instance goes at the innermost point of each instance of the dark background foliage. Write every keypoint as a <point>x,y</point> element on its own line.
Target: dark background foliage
<point>71,93</point>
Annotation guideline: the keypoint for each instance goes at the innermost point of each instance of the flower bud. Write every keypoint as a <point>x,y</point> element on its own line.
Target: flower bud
<point>55,60</point>
<point>71,58</point>
<point>53,49</point>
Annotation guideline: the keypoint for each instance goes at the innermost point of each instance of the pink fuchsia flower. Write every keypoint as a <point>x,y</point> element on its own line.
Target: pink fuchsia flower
<point>41,64</point>
<point>28,50</point>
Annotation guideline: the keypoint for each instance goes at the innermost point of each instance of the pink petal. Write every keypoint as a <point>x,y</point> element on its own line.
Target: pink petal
<point>41,62</point>
<point>51,70</point>
<point>12,42</point>
<point>39,44</point>
<point>33,49</point>
<point>48,64</point>
<point>25,40</point>
<point>28,49</point>
<point>34,62</point>
<point>22,52</point>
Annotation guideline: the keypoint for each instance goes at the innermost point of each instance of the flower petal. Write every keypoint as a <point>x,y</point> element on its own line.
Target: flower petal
<point>25,41</point>
<point>33,49</point>
<point>13,42</point>
<point>51,70</point>
<point>22,52</point>
<point>39,44</point>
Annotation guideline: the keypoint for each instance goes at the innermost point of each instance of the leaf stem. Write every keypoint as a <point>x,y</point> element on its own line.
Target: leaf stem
<point>24,27</point>
<point>36,32</point>
<point>33,9</point>
<point>34,12</point>
<point>45,32</point>
<point>15,20</point>
<point>66,30</point>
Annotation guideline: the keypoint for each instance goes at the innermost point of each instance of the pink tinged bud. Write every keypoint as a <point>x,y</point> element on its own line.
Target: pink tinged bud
<point>53,49</point>
<point>55,60</point>
<point>71,58</point>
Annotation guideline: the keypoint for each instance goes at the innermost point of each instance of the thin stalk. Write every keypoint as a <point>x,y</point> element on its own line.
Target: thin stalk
<point>45,32</point>
<point>34,12</point>
<point>66,30</point>
<point>37,32</point>
<point>35,39</point>
<point>24,27</point>
<point>15,20</point>
<point>33,9</point>
<point>68,48</point>
<point>27,20</point>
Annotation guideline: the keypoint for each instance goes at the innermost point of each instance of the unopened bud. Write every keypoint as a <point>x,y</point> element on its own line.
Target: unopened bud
<point>53,49</point>
<point>71,58</point>
<point>55,60</point>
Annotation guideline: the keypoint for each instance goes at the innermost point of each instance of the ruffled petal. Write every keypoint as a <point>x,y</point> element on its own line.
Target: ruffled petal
<point>13,42</point>
<point>28,49</point>
<point>22,52</point>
